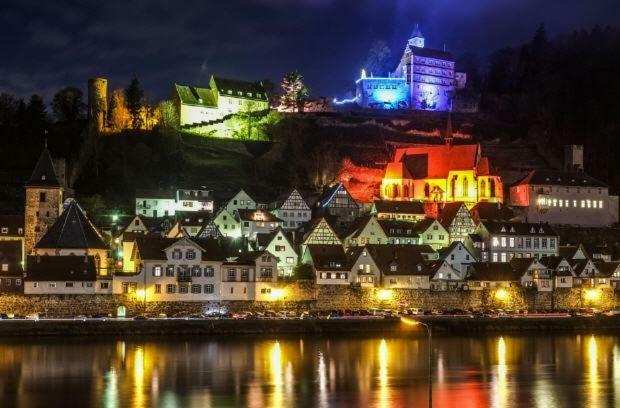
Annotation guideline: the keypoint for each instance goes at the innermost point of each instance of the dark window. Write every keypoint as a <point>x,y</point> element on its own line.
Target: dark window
<point>42,197</point>
<point>209,288</point>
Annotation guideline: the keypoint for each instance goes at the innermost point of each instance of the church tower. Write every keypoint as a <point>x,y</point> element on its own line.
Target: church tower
<point>44,195</point>
<point>417,39</point>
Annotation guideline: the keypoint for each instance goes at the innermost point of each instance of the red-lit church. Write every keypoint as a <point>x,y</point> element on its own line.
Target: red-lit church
<point>442,173</point>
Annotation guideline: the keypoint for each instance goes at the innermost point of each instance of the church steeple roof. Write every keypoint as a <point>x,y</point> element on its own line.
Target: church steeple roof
<point>44,174</point>
<point>416,31</point>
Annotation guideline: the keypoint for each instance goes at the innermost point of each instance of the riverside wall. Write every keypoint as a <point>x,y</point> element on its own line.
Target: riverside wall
<point>305,295</point>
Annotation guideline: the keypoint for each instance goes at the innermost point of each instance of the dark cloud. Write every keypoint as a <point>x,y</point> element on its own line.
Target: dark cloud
<point>51,44</point>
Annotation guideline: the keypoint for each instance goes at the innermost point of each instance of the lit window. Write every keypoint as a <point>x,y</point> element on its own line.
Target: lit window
<point>600,203</point>
<point>511,242</point>
<point>503,240</point>
<point>495,242</point>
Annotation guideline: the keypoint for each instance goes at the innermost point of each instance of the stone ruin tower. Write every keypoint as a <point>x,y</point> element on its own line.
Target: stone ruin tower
<point>98,102</point>
<point>44,196</point>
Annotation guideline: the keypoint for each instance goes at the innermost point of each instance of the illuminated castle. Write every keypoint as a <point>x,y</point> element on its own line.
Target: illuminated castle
<point>441,173</point>
<point>424,79</point>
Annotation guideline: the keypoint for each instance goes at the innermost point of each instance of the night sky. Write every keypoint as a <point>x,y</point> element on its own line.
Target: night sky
<point>50,44</point>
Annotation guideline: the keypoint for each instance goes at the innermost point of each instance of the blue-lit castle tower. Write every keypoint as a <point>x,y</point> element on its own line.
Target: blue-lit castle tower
<point>424,79</point>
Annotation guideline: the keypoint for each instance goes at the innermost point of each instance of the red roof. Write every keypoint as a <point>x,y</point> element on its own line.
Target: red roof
<point>437,161</point>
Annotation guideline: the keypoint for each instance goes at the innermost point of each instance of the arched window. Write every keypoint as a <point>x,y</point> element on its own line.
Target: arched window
<point>453,186</point>
<point>492,187</point>
<point>395,191</point>
<point>465,187</point>
<point>483,188</point>
<point>406,191</point>
<point>427,190</point>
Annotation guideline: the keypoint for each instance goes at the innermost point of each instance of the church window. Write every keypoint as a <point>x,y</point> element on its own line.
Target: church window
<point>427,190</point>
<point>465,187</point>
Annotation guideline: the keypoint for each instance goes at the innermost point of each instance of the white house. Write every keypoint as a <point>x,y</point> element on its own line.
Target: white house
<point>280,245</point>
<point>365,230</point>
<point>251,276</point>
<point>255,222</point>
<point>561,270</point>
<point>241,201</point>
<point>432,233</point>
<point>534,274</point>
<point>293,210</point>
<point>163,203</point>
<point>329,263</point>
<point>227,223</point>
<point>457,256</point>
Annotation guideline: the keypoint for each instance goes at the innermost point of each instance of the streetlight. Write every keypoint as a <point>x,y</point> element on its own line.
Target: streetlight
<point>412,322</point>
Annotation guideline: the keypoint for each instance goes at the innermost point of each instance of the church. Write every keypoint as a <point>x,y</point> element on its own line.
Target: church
<point>425,79</point>
<point>441,174</point>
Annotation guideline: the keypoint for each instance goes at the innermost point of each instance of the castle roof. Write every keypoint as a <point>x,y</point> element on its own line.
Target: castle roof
<point>518,228</point>
<point>44,174</point>
<point>416,31</point>
<point>436,161</point>
<point>194,95</point>
<point>72,230</point>
<point>251,90</point>
<point>560,178</point>
<point>431,53</point>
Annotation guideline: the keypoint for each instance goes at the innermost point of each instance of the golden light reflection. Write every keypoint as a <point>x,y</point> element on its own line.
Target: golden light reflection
<point>275,364</point>
<point>322,375</point>
<point>138,378</point>
<point>383,374</point>
<point>593,386</point>
<point>500,392</point>
<point>110,398</point>
<point>616,375</point>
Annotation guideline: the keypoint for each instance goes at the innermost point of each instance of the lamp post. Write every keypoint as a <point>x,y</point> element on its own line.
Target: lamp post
<point>413,322</point>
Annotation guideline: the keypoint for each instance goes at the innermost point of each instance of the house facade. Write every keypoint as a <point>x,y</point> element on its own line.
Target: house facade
<point>502,241</point>
<point>293,211</point>
<point>163,203</point>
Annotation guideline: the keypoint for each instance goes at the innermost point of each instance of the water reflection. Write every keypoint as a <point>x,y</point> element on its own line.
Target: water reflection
<point>506,371</point>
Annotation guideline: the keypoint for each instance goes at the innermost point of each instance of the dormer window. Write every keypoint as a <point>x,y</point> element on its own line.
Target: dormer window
<point>512,229</point>
<point>43,177</point>
<point>532,230</point>
<point>393,268</point>
<point>503,229</point>
<point>541,231</point>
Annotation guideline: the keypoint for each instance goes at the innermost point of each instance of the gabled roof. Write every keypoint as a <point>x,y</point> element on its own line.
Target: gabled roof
<point>11,254</point>
<point>552,262</point>
<point>405,259</point>
<point>423,225</point>
<point>72,230</point>
<point>44,174</point>
<point>328,257</point>
<point>329,195</point>
<point>569,251</point>
<point>399,207</point>
<point>436,161</point>
<point>154,248</point>
<point>448,213</point>
<point>249,90</point>
<point>61,268</point>
<point>283,198</point>
<point>521,265</point>
<point>518,228</point>
<point>580,265</point>
<point>263,240</point>
<point>194,95</point>
<point>486,211</point>
<point>494,272</point>
<point>560,178</point>
<point>444,252</point>
<point>607,268</point>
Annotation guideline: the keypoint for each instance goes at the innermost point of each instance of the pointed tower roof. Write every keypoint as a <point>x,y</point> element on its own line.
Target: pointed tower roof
<point>44,174</point>
<point>72,230</point>
<point>416,31</point>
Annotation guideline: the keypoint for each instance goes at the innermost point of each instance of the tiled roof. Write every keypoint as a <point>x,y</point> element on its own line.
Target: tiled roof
<point>72,230</point>
<point>560,178</point>
<point>494,271</point>
<point>448,213</point>
<point>44,174</point>
<point>407,259</point>
<point>486,211</point>
<point>194,95</point>
<point>399,207</point>
<point>607,268</point>
<point>61,268</point>
<point>246,88</point>
<point>437,161</point>
<point>328,257</point>
<point>518,228</point>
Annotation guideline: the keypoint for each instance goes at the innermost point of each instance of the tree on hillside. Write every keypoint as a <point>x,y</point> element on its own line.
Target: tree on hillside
<point>134,95</point>
<point>118,115</point>
<point>34,119</point>
<point>295,93</point>
<point>378,58</point>
<point>9,106</point>
<point>67,105</point>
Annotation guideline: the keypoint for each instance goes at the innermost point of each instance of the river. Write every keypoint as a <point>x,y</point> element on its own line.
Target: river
<point>375,371</point>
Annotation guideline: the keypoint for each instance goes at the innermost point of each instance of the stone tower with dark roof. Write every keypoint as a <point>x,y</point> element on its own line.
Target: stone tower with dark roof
<point>44,195</point>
